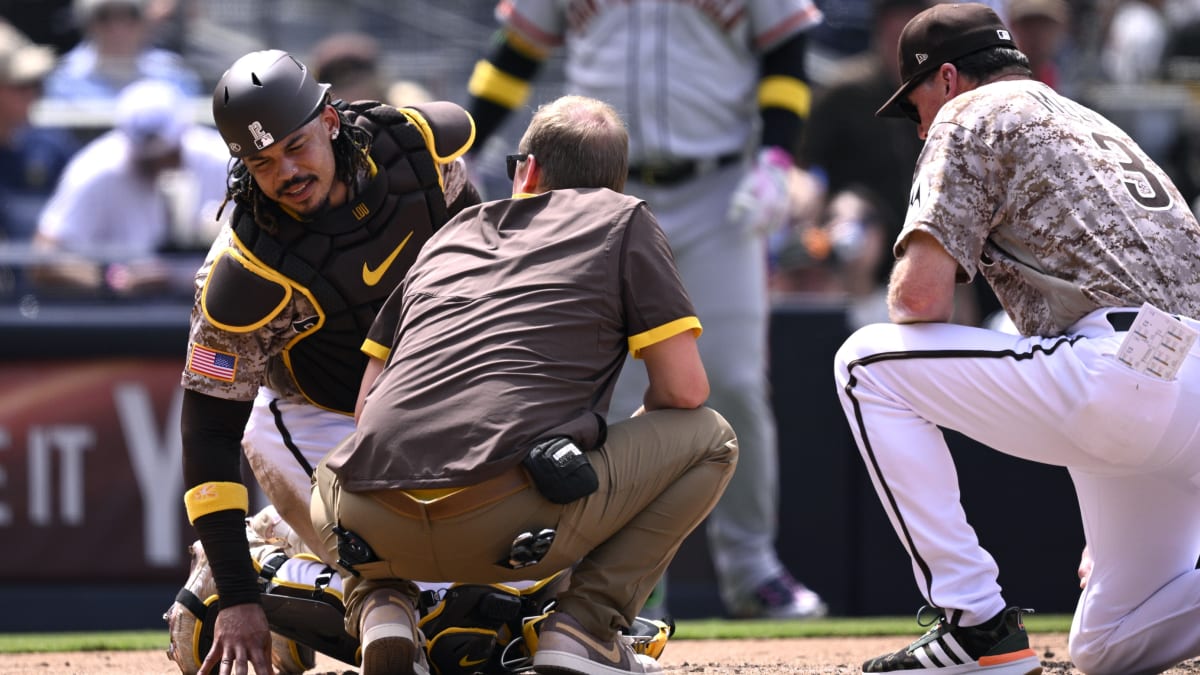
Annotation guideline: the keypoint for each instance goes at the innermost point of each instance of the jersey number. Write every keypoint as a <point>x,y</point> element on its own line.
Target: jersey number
<point>1158,198</point>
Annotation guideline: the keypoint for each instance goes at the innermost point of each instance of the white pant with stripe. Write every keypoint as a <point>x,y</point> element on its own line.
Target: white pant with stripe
<point>1130,442</point>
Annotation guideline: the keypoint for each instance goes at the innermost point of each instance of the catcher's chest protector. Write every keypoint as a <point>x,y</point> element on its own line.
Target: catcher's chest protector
<point>350,259</point>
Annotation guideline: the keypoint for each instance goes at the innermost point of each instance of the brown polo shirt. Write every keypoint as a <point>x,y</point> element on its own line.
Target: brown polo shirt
<point>511,326</point>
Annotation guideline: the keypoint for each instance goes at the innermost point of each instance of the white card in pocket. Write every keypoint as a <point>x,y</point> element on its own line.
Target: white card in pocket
<point>1157,343</point>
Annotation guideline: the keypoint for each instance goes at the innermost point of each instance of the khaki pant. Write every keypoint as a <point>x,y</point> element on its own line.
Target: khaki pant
<point>660,474</point>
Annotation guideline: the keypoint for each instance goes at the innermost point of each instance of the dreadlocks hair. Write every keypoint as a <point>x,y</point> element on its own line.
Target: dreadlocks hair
<point>350,151</point>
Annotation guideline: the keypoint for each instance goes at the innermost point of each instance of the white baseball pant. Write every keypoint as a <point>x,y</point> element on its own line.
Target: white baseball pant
<point>1130,442</point>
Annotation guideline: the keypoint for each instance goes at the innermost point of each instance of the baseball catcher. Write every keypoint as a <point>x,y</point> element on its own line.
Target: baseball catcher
<point>327,206</point>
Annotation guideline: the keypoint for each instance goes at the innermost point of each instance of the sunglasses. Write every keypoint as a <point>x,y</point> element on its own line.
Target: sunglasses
<point>909,110</point>
<point>511,161</point>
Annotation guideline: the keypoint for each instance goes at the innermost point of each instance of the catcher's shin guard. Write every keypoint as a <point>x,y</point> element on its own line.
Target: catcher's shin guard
<point>302,598</point>
<point>190,617</point>
<point>649,636</point>
<point>190,620</point>
<point>469,627</point>
<point>645,636</point>
<point>462,630</point>
<point>316,624</point>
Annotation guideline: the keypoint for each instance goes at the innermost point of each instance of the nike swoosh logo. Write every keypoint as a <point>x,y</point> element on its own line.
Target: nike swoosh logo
<point>611,652</point>
<point>467,663</point>
<point>372,276</point>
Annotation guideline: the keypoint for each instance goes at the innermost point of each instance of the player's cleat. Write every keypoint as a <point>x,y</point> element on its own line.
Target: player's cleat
<point>947,649</point>
<point>781,597</point>
<point>391,643</point>
<point>565,648</point>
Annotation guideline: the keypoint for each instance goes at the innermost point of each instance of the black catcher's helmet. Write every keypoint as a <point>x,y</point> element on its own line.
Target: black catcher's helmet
<point>263,97</point>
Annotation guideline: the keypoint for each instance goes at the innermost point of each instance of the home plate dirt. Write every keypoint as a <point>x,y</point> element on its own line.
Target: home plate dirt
<point>701,657</point>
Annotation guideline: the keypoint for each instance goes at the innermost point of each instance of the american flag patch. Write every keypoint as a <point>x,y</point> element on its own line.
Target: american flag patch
<point>212,363</point>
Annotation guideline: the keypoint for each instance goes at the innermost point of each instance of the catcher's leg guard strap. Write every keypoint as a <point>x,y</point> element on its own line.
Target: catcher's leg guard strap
<point>192,603</point>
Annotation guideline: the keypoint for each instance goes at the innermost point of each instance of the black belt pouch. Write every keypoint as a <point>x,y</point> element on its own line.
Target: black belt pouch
<point>560,470</point>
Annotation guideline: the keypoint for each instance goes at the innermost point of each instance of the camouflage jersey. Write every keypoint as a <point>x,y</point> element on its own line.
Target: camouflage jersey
<point>291,310</point>
<point>1058,208</point>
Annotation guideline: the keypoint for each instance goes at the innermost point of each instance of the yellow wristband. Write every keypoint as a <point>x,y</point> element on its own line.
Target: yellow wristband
<point>489,82</point>
<point>208,498</point>
<point>789,93</point>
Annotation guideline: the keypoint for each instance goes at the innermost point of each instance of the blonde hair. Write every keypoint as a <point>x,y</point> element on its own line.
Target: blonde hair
<point>579,142</point>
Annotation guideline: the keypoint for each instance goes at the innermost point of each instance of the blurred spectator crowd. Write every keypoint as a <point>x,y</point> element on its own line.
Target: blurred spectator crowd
<point>1136,61</point>
<point>100,188</point>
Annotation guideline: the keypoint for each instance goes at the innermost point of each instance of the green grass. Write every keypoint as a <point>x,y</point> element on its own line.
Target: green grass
<point>71,642</point>
<point>693,629</point>
<point>720,629</point>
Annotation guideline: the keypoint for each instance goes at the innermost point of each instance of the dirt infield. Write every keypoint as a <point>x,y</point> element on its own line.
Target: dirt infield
<point>692,657</point>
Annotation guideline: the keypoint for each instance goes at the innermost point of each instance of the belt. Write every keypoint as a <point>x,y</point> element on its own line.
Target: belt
<point>1121,319</point>
<point>669,172</point>
<point>458,502</point>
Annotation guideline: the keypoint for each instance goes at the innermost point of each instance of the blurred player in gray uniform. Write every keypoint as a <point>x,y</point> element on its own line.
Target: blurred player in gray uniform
<point>714,95</point>
<point>1096,258</point>
<point>330,204</point>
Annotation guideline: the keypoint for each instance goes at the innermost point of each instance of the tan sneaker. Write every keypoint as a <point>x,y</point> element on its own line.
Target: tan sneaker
<point>391,644</point>
<point>565,648</point>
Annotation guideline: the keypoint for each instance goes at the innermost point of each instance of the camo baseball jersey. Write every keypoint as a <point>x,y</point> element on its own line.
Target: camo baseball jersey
<point>232,365</point>
<point>620,52</point>
<point>995,187</point>
<point>1075,228</point>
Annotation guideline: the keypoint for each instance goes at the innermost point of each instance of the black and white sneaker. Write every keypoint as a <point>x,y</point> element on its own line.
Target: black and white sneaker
<point>997,647</point>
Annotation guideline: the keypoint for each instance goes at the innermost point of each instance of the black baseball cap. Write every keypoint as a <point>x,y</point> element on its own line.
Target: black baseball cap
<point>940,35</point>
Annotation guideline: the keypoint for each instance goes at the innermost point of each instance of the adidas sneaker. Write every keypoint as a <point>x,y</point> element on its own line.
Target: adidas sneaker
<point>949,649</point>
